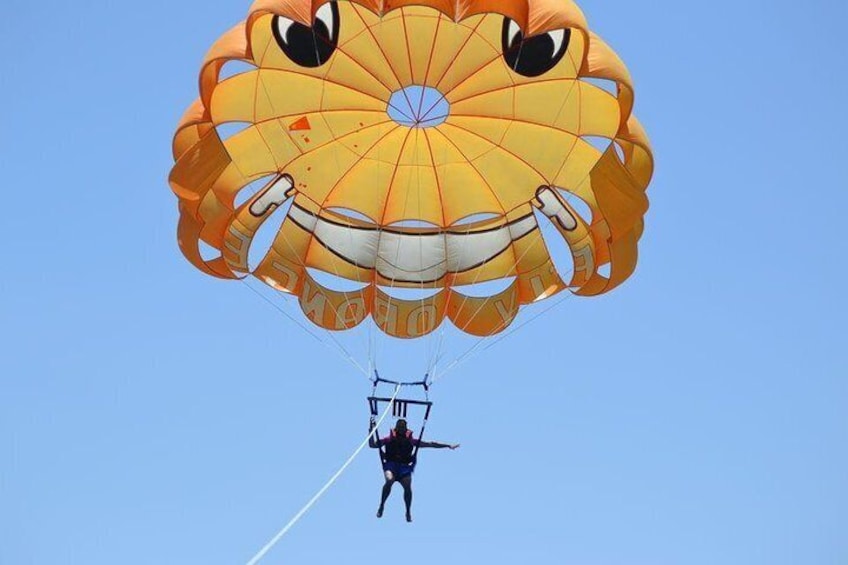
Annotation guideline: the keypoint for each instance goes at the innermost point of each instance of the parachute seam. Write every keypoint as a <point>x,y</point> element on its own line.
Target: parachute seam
<point>514,120</point>
<point>512,85</point>
<point>380,47</point>
<point>343,174</point>
<point>408,49</point>
<point>325,81</point>
<point>529,84</point>
<point>470,73</point>
<point>438,185</point>
<point>298,114</point>
<point>503,150</point>
<point>382,220</point>
<point>518,274</point>
<point>503,209</point>
<point>340,180</point>
<point>322,79</point>
<point>432,353</point>
<point>438,84</point>
<point>261,82</point>
<point>436,354</point>
<point>480,267</point>
<point>342,47</point>
<point>282,236</point>
<point>541,234</point>
<point>476,170</point>
<point>430,65</point>
<point>335,140</point>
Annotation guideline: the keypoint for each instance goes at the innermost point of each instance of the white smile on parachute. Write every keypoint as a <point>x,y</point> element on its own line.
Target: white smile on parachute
<point>410,256</point>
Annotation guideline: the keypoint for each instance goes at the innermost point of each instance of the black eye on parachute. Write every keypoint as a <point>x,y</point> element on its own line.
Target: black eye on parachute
<point>309,46</point>
<point>533,56</point>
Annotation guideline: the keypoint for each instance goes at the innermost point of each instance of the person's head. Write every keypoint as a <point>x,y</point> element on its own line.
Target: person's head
<point>401,427</point>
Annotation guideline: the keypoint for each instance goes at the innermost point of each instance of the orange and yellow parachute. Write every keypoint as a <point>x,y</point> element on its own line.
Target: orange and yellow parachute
<point>411,142</point>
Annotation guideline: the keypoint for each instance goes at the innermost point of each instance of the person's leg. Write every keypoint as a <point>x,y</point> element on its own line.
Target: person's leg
<point>406,483</point>
<point>387,490</point>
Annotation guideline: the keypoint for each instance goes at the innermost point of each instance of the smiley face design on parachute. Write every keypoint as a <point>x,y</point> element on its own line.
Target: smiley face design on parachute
<point>408,145</point>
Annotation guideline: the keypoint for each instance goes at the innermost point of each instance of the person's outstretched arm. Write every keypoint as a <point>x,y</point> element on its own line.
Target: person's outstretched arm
<point>437,445</point>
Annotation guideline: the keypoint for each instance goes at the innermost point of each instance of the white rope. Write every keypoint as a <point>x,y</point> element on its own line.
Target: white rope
<point>473,352</point>
<point>261,555</point>
<point>340,349</point>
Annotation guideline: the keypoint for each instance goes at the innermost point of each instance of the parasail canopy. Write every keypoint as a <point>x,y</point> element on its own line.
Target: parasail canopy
<point>414,145</point>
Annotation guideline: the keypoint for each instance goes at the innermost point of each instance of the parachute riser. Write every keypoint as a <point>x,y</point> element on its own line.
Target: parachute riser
<point>425,384</point>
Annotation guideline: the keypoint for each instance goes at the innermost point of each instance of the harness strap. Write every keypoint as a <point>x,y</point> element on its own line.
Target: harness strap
<point>421,434</point>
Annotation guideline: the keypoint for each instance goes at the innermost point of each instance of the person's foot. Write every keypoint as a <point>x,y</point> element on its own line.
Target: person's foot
<point>380,512</point>
<point>409,517</point>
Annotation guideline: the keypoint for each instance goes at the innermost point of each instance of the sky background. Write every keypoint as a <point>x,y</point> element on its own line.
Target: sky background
<point>698,415</point>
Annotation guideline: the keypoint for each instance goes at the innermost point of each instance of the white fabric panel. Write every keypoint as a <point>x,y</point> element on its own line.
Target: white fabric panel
<point>412,257</point>
<point>553,207</point>
<point>358,246</point>
<point>273,196</point>
<point>355,245</point>
<point>522,227</point>
<point>306,220</point>
<point>469,250</point>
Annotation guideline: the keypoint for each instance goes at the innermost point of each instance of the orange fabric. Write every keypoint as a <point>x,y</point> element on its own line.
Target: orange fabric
<point>330,128</point>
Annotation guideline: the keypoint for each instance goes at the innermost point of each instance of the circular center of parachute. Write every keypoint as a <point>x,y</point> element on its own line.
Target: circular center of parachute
<point>418,107</point>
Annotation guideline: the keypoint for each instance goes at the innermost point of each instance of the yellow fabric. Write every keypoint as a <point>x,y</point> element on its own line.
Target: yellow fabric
<point>328,128</point>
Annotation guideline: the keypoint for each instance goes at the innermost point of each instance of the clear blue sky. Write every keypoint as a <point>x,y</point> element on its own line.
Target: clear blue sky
<point>698,415</point>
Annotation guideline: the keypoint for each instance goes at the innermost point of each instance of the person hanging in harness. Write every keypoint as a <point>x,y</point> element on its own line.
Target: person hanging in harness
<point>399,459</point>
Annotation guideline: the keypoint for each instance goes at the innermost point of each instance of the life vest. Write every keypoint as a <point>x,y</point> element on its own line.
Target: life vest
<point>400,449</point>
